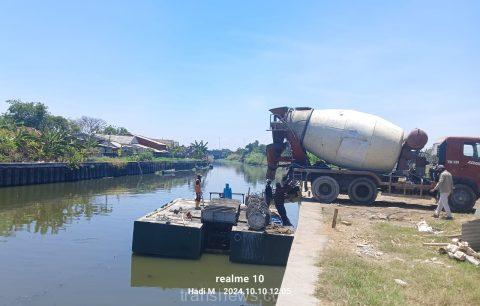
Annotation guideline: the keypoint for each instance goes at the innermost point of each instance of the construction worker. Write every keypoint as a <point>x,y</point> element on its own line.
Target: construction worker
<point>279,197</point>
<point>268,192</point>
<point>198,191</point>
<point>445,188</point>
<point>227,192</point>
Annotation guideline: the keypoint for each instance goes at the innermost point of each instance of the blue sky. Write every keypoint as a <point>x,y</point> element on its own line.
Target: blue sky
<point>211,69</point>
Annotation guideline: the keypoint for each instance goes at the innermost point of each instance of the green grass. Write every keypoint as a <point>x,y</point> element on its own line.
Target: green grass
<point>401,240</point>
<point>351,280</point>
<point>348,279</point>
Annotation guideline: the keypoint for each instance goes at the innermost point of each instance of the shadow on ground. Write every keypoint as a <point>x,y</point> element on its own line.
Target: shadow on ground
<point>347,202</point>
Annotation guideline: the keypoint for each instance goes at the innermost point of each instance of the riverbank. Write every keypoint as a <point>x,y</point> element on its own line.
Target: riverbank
<point>302,272</point>
<point>358,261</point>
<point>376,256</point>
<point>18,174</point>
<point>259,163</point>
<point>253,159</point>
<point>134,158</point>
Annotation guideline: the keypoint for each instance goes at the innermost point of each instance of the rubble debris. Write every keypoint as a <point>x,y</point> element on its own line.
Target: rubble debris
<point>459,255</point>
<point>459,250</point>
<point>369,250</point>
<point>276,229</point>
<point>423,227</point>
<point>472,260</point>
<point>401,282</point>
<point>347,223</point>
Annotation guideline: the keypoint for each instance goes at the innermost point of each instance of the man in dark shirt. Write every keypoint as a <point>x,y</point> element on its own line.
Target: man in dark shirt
<point>268,192</point>
<point>279,197</point>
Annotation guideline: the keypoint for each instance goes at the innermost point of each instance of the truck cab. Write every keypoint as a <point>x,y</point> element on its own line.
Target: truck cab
<point>461,157</point>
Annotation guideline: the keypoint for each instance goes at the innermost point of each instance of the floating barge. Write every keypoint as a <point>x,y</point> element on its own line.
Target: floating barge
<point>178,230</point>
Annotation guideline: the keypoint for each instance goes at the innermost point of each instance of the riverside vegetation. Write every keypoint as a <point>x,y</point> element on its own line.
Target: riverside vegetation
<point>30,133</point>
<point>254,154</point>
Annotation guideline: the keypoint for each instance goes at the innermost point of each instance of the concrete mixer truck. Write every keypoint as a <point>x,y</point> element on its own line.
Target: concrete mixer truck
<point>361,154</point>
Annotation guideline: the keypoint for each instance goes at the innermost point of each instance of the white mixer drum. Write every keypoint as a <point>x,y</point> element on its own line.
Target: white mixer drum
<point>348,138</point>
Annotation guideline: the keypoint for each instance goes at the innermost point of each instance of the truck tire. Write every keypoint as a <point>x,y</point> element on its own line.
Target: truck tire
<point>362,190</point>
<point>462,198</point>
<point>325,189</point>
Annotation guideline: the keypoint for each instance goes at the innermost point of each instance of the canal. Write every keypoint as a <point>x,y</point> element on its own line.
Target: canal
<point>70,244</point>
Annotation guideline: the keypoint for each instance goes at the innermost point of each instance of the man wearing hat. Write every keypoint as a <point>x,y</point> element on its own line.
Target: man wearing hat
<point>445,188</point>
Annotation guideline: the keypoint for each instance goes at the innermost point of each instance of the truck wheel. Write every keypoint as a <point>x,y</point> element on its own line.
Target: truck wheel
<point>325,189</point>
<point>462,198</point>
<point>362,190</point>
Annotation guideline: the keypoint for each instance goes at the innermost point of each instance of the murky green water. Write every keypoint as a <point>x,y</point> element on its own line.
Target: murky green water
<point>70,244</point>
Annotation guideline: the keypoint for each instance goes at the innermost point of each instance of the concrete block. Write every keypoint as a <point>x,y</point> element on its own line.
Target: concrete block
<point>169,240</point>
<point>221,211</point>
<point>259,247</point>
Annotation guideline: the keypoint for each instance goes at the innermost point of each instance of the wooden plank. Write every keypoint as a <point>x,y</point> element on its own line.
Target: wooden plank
<point>435,244</point>
<point>334,221</point>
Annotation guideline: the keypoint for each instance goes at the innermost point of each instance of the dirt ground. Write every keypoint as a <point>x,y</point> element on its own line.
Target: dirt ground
<point>375,255</point>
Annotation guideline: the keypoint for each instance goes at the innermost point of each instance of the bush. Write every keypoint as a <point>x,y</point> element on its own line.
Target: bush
<point>74,158</point>
<point>256,158</point>
<point>234,157</point>
<point>143,156</point>
<point>7,145</point>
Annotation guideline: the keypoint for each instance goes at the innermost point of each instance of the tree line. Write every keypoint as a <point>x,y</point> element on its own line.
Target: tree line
<point>29,132</point>
<point>253,154</point>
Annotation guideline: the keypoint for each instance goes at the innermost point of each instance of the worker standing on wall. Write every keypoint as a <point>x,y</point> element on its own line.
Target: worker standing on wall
<point>198,191</point>
<point>445,188</point>
<point>279,198</point>
<point>227,192</point>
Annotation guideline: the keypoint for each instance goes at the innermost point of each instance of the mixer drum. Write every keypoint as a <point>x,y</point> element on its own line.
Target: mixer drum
<point>348,138</point>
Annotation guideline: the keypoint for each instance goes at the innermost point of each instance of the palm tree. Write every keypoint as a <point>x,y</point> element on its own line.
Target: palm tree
<point>198,149</point>
<point>178,151</point>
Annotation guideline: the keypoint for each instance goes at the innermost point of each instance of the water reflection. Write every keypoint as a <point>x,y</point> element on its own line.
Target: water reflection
<point>253,175</point>
<point>76,238</point>
<point>47,208</point>
<point>173,273</point>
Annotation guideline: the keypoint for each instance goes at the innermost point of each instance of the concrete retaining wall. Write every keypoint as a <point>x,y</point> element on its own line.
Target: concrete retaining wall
<point>17,174</point>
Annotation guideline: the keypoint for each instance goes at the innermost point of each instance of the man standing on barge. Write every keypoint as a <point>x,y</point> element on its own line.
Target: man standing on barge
<point>198,191</point>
